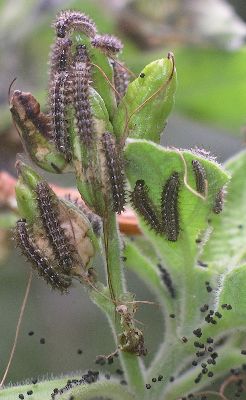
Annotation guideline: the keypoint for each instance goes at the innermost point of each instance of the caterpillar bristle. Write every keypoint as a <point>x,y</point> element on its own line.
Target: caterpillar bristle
<point>38,261</point>
<point>58,98</point>
<point>142,203</point>
<point>169,207</point>
<point>108,44</point>
<point>115,171</point>
<point>121,80</point>
<point>200,175</point>
<point>50,220</point>
<point>219,201</point>
<point>60,56</point>
<point>68,21</point>
<point>167,280</point>
<point>81,95</point>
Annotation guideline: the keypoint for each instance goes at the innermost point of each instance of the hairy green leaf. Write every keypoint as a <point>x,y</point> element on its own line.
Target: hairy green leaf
<point>154,164</point>
<point>227,244</point>
<point>143,111</point>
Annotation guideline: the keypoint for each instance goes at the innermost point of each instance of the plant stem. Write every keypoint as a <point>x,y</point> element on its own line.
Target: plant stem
<point>148,272</point>
<point>112,256</point>
<point>98,389</point>
<point>131,363</point>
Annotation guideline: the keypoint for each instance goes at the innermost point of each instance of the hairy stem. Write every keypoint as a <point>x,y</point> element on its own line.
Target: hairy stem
<point>98,389</point>
<point>131,363</point>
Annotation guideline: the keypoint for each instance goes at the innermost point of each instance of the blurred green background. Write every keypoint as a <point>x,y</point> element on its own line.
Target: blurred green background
<point>208,40</point>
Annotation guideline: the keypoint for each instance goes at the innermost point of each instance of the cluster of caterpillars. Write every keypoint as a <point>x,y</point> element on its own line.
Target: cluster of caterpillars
<point>69,104</point>
<point>55,270</point>
<point>165,220</point>
<point>71,76</point>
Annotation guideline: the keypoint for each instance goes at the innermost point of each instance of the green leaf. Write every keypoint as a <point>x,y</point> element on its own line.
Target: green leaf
<point>154,164</point>
<point>148,272</point>
<point>43,390</point>
<point>143,111</point>
<point>227,243</point>
<point>206,76</point>
<point>233,293</point>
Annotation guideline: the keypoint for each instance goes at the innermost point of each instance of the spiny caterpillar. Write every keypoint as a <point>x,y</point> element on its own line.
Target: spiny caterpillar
<point>67,21</point>
<point>169,207</point>
<point>58,101</point>
<point>81,85</point>
<point>108,44</point>
<point>115,171</point>
<point>50,219</point>
<point>200,175</point>
<point>167,280</point>
<point>219,201</point>
<point>60,57</point>
<point>143,205</point>
<point>39,262</point>
<point>121,80</point>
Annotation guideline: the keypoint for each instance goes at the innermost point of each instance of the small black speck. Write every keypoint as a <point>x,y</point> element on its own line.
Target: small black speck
<point>29,392</point>
<point>42,340</point>
<point>171,379</point>
<point>202,264</point>
<point>240,226</point>
<point>197,332</point>
<point>119,371</point>
<point>31,333</point>
<point>79,351</point>
<point>172,315</point>
<point>210,374</point>
<point>243,352</point>
<point>160,377</point>
<point>218,314</point>
<point>204,308</point>
<point>110,360</point>
<point>154,380</point>
<point>142,75</point>
<point>148,386</point>
<point>21,396</point>
<point>34,381</point>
